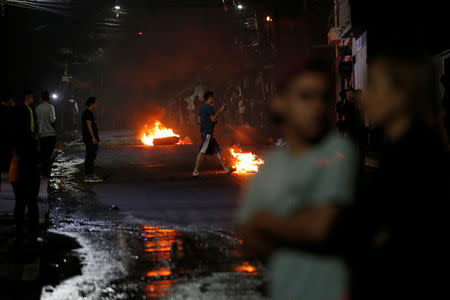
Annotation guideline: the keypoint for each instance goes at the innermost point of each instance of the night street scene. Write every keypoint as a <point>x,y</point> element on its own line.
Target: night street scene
<point>224,149</point>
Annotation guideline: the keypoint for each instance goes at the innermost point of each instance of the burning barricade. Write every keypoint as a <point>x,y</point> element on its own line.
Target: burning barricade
<point>244,162</point>
<point>159,135</point>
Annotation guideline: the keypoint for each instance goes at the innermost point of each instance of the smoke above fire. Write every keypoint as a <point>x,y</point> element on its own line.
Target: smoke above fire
<point>175,51</point>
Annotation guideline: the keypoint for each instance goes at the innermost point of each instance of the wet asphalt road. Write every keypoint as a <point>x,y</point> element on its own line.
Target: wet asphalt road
<point>150,230</point>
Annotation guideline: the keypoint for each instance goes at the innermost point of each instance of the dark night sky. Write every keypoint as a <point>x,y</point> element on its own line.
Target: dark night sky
<point>33,38</point>
<point>182,41</point>
<point>172,29</point>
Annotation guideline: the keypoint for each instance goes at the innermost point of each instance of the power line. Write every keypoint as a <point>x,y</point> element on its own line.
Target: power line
<point>61,7</point>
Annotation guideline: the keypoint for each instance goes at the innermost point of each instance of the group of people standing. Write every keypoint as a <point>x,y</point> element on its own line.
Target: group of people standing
<point>307,214</point>
<point>27,154</point>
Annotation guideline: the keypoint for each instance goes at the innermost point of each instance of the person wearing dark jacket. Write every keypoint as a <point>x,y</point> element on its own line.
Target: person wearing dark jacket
<point>24,170</point>
<point>393,237</point>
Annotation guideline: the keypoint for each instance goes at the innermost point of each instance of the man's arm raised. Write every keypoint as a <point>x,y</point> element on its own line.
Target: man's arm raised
<point>216,116</point>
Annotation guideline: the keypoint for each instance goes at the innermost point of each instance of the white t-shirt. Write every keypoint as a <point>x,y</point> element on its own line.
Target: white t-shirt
<point>284,185</point>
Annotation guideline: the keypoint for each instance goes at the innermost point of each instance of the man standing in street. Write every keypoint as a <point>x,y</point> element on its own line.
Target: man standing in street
<point>208,119</point>
<point>46,120</point>
<point>90,139</point>
<point>24,170</point>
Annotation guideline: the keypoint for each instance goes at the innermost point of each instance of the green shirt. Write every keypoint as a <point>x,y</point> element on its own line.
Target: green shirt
<point>285,185</point>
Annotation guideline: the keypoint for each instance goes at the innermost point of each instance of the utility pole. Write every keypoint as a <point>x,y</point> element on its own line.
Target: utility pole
<point>337,60</point>
<point>336,23</point>
<point>336,46</point>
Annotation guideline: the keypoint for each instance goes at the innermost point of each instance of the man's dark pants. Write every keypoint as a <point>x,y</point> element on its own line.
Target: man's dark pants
<point>47,147</point>
<point>91,155</point>
<point>26,190</point>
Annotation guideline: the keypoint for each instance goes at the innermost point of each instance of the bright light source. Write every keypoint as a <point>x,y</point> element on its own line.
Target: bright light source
<point>117,7</point>
<point>269,19</point>
<point>140,33</point>
<point>54,96</point>
<point>240,6</point>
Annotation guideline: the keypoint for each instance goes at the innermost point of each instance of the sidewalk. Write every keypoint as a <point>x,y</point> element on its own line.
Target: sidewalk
<point>12,266</point>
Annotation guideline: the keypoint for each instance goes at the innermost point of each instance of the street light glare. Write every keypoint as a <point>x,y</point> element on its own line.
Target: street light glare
<point>117,7</point>
<point>54,96</point>
<point>269,19</point>
<point>240,6</point>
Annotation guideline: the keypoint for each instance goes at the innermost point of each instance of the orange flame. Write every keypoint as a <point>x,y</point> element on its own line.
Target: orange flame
<point>159,131</point>
<point>246,268</point>
<point>185,141</point>
<point>245,162</point>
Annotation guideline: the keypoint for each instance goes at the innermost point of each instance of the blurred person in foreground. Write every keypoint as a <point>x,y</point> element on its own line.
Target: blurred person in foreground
<point>393,237</point>
<point>317,169</point>
<point>47,135</point>
<point>208,120</point>
<point>90,139</point>
<point>24,169</point>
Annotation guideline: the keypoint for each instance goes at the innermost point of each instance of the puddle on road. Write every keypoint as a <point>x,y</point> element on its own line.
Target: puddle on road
<point>160,245</point>
<point>157,289</point>
<point>171,255</point>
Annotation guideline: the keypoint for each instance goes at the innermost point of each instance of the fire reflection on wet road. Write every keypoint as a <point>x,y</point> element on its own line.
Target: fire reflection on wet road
<point>159,245</point>
<point>157,289</point>
<point>166,260</point>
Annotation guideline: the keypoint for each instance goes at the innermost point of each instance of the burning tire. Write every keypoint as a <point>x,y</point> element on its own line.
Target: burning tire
<point>160,135</point>
<point>171,140</point>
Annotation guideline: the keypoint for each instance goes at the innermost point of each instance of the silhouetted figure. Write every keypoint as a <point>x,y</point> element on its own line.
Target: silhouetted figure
<point>90,139</point>
<point>24,170</point>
